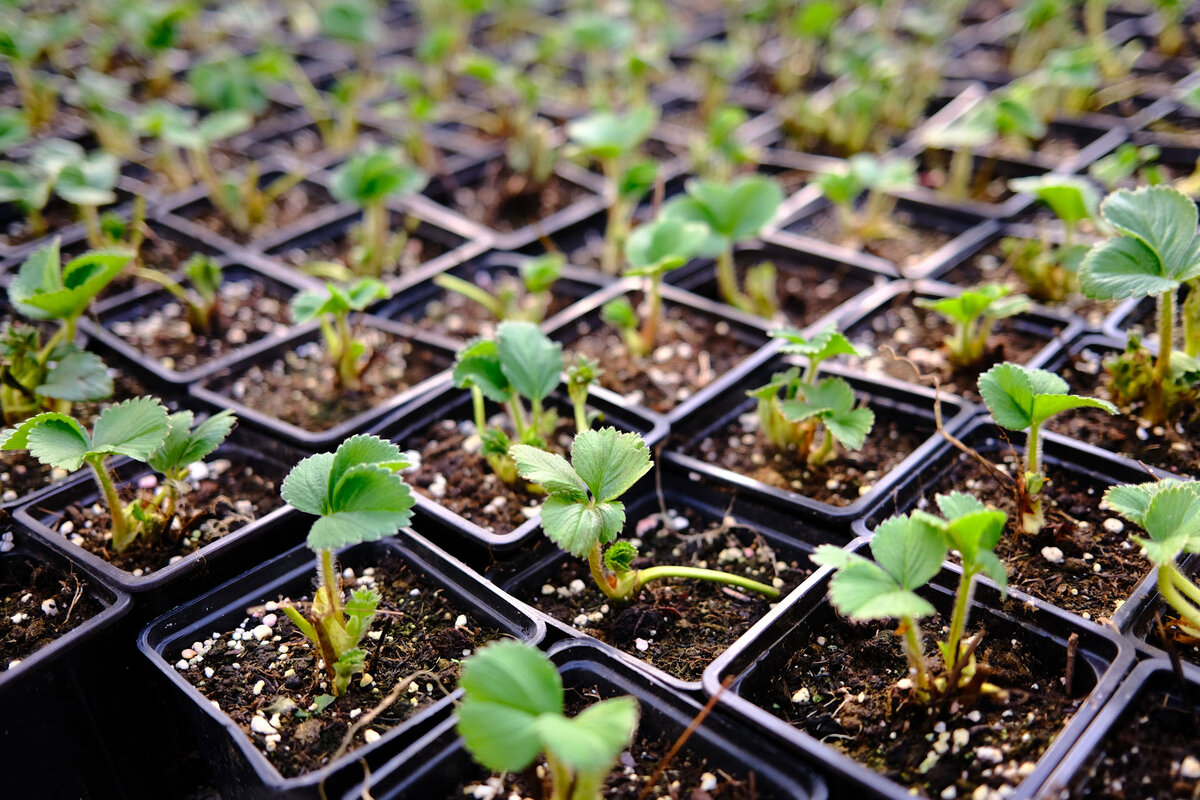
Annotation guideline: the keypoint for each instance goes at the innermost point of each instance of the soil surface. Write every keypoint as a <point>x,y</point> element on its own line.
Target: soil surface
<point>248,311</point>
<point>1175,447</point>
<point>505,201</point>
<point>986,185</point>
<point>1081,560</point>
<point>47,602</point>
<point>919,334</point>
<point>417,249</point>
<point>741,447</point>
<point>909,244</point>
<point>1144,754</point>
<point>15,229</point>
<point>454,315</point>
<point>840,686</point>
<point>301,388</point>
<point>221,497</point>
<point>677,625</point>
<point>693,350</point>
<point>278,676</point>
<point>294,204</point>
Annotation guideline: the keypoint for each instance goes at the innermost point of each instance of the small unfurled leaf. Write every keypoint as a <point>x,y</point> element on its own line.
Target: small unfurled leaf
<point>1019,397</point>
<point>375,176</point>
<point>44,289</point>
<point>532,363</point>
<point>992,300</point>
<point>1169,512</point>
<point>620,314</point>
<point>607,135</point>
<point>478,364</point>
<point>609,462</point>
<point>185,445</point>
<point>620,557</point>
<point>1070,197</point>
<point>825,344</point>
<point>594,738</point>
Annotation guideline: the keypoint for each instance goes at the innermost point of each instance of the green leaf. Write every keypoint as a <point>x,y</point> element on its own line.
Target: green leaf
<point>372,177</point>
<point>851,427</point>
<point>478,364</point>
<point>56,440</point>
<point>738,210</point>
<point>831,396</point>
<point>606,135</point>
<point>306,487</point>
<point>1007,391</point>
<point>369,502</point>
<point>973,303</point>
<point>135,428</point>
<point>78,376</point>
<point>43,290</point>
<point>1070,197</point>
<point>594,738</point>
<point>612,520</point>
<point>530,361</point>
<point>550,471</point>
<point>1172,521</point>
<point>1122,268</point>
<point>663,245</point>
<point>863,591</point>
<point>364,449</point>
<point>574,526</point>
<point>825,344</point>
<point>1163,219</point>
<point>958,504</point>
<point>620,557</point>
<point>909,550</point>
<point>1131,501</point>
<point>609,462</point>
<point>185,445</point>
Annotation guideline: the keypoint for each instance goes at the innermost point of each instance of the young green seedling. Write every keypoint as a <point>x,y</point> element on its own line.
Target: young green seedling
<point>201,299</point>
<point>582,513</point>
<point>238,83</point>
<point>1155,252</point>
<point>42,376</point>
<point>1169,513</point>
<point>369,180</point>
<point>134,428</point>
<point>793,408</point>
<point>652,250</point>
<point>973,313</point>
<point>23,41</point>
<point>186,444</point>
<point>526,299</point>
<point>878,177</point>
<point>718,151</point>
<point>580,377</point>
<point>106,102</point>
<point>1023,399</point>
<point>512,711</point>
<point>521,362</point>
<point>733,212</point>
<point>1126,162</point>
<point>908,552</point>
<point>613,140</point>
<point>333,307</point>
<point>1051,275</point>
<point>359,495</point>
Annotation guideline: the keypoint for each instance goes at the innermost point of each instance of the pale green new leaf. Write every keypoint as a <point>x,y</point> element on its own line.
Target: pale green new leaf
<point>594,738</point>
<point>478,364</point>
<point>574,526</point>
<point>550,471</point>
<point>609,462</point>
<point>530,361</point>
<point>185,445</point>
<point>1070,197</point>
<point>306,487</point>
<point>1018,397</point>
<point>663,245</point>
<point>368,502</point>
<point>365,449</point>
<point>43,289</point>
<point>909,550</point>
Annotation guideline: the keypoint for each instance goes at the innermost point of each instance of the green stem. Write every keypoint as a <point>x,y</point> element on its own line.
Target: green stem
<point>453,283</point>
<point>603,583</point>
<point>1191,319</point>
<point>91,222</point>
<point>958,181</point>
<point>1167,587</point>
<point>517,411</point>
<point>477,404</point>
<point>916,657</point>
<point>589,784</point>
<point>824,452</point>
<point>958,619</point>
<point>332,586</point>
<point>727,282</point>
<point>1184,585</point>
<point>122,536</point>
<point>1156,406</point>
<point>653,320</point>
<point>347,366</point>
<point>644,576</point>
<point>374,237</point>
<point>560,778</point>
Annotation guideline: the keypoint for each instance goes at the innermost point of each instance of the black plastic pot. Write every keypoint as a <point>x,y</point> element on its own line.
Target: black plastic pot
<point>1059,454</point>
<point>1101,661</point>
<point>1150,610</point>
<point>669,487</point>
<point>1152,688</point>
<point>438,763</point>
<point>48,716</point>
<point>138,304</point>
<point>471,542</point>
<point>217,390</point>
<point>889,399</point>
<point>265,537</point>
<point>240,768</point>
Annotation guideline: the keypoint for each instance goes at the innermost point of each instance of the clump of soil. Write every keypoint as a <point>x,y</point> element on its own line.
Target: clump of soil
<point>248,311</point>
<point>301,387</point>
<point>743,448</point>
<point>294,204</point>
<point>417,250</point>
<point>1172,447</point>
<point>677,625</point>
<point>840,686</point>
<point>454,315</point>
<point>693,351</point>
<point>1145,753</point>
<point>220,499</point>
<point>1082,560</point>
<point>910,243</point>
<point>506,201</point>
<point>918,334</point>
<point>277,677</point>
<point>50,603</point>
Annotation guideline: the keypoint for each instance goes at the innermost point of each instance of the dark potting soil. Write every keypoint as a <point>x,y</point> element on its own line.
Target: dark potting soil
<point>688,776</point>
<point>248,311</point>
<point>15,230</point>
<point>991,266</point>
<point>229,497</point>
<point>1055,148</point>
<point>677,625</point>
<point>986,186</point>
<point>454,315</point>
<point>840,687</point>
<point>741,447</point>
<point>51,603</point>
<point>918,334</point>
<point>506,201</point>
<point>1171,447</point>
<point>416,628</point>
<point>693,350</point>
<point>417,250</point>
<point>1095,567</point>
<point>1144,753</point>
<point>908,243</point>
<point>301,388</point>
<point>294,204</point>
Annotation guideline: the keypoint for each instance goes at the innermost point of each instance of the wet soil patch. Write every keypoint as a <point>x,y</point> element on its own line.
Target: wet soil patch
<point>742,448</point>
<point>840,687</point>
<point>247,311</point>
<point>294,204</point>
<point>278,677</point>
<point>677,625</point>
<point>301,388</point>
<point>919,334</point>
<point>50,603</point>
<point>693,350</point>
<point>1096,566</point>
<point>228,497</point>
<point>506,201</point>
<point>1173,447</point>
<point>909,244</point>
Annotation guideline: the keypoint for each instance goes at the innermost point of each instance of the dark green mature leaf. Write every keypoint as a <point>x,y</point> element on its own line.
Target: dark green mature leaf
<point>78,376</point>
<point>609,462</point>
<point>530,361</point>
